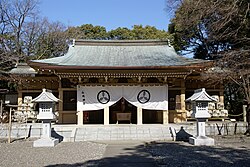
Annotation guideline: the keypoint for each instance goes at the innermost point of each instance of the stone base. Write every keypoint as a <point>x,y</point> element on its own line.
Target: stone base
<point>46,142</point>
<point>201,141</point>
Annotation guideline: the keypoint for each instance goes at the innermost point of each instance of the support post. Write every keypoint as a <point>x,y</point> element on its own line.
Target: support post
<point>183,104</point>
<point>106,115</point>
<point>245,113</point>
<point>221,95</point>
<point>183,90</point>
<point>60,103</point>
<point>10,124</point>
<point>165,117</point>
<point>139,116</point>
<point>80,118</point>
<point>19,99</point>
<point>1,110</point>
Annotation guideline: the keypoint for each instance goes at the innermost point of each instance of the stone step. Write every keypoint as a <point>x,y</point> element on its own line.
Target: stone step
<point>123,133</point>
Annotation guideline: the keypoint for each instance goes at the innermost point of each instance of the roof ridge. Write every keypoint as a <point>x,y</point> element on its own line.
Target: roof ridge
<point>150,42</point>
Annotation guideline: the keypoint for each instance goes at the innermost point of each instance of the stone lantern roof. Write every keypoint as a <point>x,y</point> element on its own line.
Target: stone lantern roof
<point>200,95</point>
<point>45,96</point>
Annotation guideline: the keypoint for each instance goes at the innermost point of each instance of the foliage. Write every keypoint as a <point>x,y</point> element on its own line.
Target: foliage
<point>148,32</point>
<point>218,30</point>
<point>234,99</point>
<point>208,27</point>
<point>121,34</point>
<point>88,31</point>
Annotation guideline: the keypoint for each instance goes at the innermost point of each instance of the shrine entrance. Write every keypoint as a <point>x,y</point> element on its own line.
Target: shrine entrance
<point>152,116</point>
<point>93,117</point>
<point>123,112</point>
<point>121,104</point>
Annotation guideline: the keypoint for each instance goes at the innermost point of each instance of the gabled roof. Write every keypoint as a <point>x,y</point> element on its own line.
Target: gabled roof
<point>200,95</point>
<point>22,69</point>
<point>45,96</point>
<point>106,54</point>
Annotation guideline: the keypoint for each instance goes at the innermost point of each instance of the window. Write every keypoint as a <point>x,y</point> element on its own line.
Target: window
<point>45,107</point>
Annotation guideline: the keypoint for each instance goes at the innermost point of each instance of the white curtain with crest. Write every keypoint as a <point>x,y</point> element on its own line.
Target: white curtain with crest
<point>98,97</point>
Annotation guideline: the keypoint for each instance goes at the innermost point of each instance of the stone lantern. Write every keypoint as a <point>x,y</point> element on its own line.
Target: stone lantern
<point>199,101</point>
<point>46,101</point>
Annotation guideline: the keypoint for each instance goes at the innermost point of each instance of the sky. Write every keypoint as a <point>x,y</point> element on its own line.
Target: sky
<point>108,13</point>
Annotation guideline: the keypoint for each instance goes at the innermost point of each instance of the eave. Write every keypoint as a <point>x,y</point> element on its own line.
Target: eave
<point>45,66</point>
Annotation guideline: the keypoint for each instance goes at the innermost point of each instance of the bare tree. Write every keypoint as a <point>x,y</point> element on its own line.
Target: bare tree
<point>52,40</point>
<point>217,30</point>
<point>15,14</point>
<point>25,35</point>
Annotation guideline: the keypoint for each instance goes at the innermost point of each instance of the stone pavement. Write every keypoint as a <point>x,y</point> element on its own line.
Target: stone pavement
<point>126,153</point>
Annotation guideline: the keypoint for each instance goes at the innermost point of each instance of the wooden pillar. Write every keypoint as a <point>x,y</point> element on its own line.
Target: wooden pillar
<point>60,104</point>
<point>221,95</point>
<point>183,90</point>
<point>183,104</point>
<point>245,113</point>
<point>106,115</point>
<point>1,108</point>
<point>139,116</point>
<point>10,126</point>
<point>80,118</point>
<point>19,97</point>
<point>165,117</point>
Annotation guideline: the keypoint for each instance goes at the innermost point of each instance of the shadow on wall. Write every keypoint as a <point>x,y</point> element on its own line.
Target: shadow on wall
<point>181,135</point>
<point>55,135</point>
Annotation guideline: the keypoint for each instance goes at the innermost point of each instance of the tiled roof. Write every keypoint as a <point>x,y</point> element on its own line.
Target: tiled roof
<point>23,68</point>
<point>117,53</point>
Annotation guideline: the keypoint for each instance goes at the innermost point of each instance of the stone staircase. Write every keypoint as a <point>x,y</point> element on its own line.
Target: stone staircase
<point>122,132</point>
<point>119,132</point>
<point>74,133</point>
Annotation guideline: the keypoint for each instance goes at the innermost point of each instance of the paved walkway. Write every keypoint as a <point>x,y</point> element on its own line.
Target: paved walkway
<point>129,154</point>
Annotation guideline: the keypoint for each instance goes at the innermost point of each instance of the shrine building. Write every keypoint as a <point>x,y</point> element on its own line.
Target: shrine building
<point>117,82</point>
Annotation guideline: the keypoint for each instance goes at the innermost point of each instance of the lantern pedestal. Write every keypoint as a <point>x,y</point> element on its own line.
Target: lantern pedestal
<point>201,139</point>
<point>46,140</point>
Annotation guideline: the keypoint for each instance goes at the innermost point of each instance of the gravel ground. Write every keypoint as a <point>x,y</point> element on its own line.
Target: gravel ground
<point>23,154</point>
<point>228,151</point>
